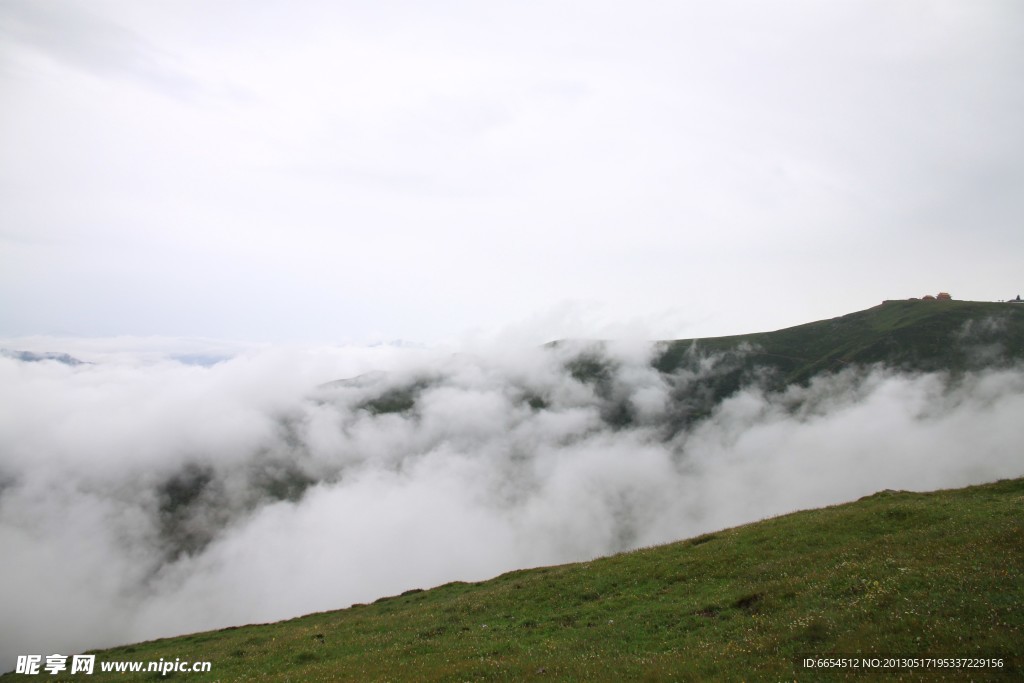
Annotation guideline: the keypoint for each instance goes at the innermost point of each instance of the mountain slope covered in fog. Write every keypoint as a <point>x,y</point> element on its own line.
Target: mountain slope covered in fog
<point>183,491</point>
<point>897,573</point>
<point>909,336</point>
<point>912,336</point>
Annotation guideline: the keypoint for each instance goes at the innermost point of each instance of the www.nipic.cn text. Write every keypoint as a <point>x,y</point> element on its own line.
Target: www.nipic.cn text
<point>86,664</point>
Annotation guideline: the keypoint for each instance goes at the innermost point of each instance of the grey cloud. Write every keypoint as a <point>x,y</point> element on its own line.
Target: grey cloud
<point>78,38</point>
<point>637,158</point>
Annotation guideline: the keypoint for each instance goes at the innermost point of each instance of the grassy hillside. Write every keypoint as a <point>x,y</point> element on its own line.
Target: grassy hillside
<point>913,335</point>
<point>895,573</point>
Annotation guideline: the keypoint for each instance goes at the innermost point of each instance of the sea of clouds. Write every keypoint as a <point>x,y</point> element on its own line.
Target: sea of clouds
<point>154,489</point>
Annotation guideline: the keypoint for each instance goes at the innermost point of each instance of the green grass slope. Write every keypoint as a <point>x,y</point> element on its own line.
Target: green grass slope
<point>910,335</point>
<point>896,573</point>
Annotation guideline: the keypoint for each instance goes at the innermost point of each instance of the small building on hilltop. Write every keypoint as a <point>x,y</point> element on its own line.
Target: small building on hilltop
<point>942,296</point>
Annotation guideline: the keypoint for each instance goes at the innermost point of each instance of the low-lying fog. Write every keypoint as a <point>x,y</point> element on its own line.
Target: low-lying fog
<point>148,494</point>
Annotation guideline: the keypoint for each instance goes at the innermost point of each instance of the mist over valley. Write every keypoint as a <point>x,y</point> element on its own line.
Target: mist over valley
<point>144,495</point>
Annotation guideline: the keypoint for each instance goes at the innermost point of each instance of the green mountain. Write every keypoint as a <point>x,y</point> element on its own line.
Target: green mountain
<point>896,574</point>
<point>908,335</point>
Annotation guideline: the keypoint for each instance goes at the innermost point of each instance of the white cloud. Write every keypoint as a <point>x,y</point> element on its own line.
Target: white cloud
<point>194,497</point>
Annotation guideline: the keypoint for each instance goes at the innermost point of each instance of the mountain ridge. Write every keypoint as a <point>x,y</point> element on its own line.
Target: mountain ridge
<point>939,333</point>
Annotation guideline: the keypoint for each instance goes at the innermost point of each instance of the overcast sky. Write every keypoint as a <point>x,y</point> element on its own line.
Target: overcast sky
<point>353,171</point>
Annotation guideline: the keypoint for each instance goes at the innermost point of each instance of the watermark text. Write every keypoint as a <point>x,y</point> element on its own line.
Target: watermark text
<point>86,664</point>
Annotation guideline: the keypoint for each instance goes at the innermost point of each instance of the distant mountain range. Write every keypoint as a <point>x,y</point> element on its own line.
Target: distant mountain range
<point>35,357</point>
